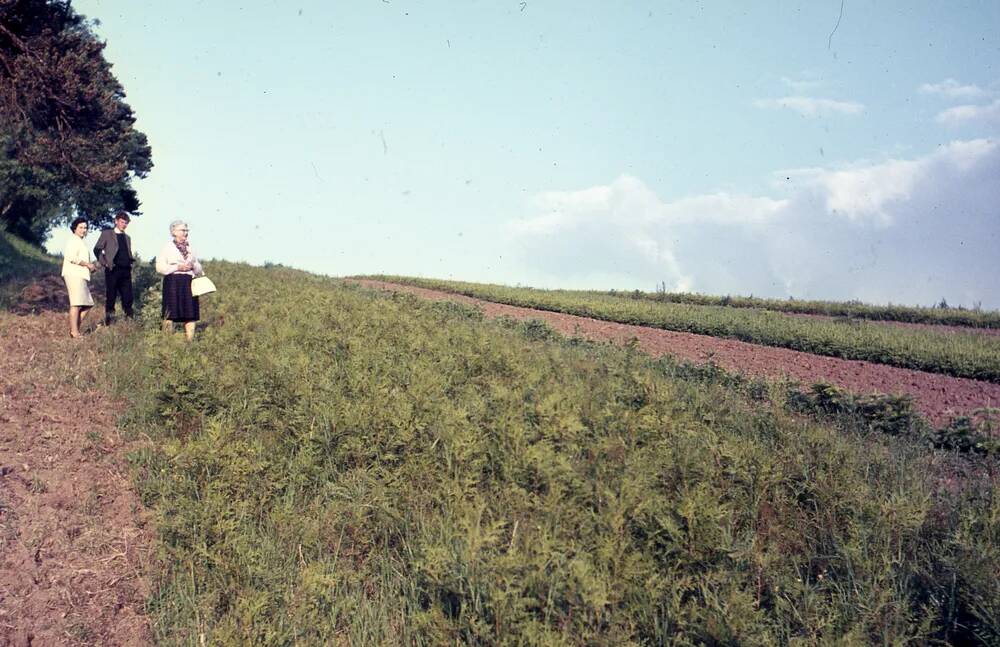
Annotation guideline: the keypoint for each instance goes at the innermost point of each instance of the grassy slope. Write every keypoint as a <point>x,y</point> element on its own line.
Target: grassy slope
<point>334,466</point>
<point>19,262</point>
<point>963,355</point>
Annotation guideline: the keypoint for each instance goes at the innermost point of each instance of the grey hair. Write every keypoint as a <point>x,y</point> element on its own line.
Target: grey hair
<point>175,224</point>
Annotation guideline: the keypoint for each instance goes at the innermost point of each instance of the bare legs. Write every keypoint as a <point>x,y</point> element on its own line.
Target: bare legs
<point>74,321</point>
<point>168,326</point>
<point>76,316</point>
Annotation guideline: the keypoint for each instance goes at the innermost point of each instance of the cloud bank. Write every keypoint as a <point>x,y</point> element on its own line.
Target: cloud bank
<point>953,89</point>
<point>958,115</point>
<point>902,230</point>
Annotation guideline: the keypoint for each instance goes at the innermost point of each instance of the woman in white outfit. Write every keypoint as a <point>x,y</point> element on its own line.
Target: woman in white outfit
<point>179,264</point>
<point>76,268</point>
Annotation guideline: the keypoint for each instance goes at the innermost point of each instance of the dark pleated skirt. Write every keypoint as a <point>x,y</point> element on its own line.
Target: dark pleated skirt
<point>178,304</point>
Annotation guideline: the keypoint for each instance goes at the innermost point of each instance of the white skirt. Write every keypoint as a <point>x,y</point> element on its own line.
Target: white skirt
<point>79,291</point>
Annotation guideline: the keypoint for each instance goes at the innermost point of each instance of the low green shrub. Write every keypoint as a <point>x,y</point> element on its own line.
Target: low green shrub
<point>895,415</point>
<point>978,432</point>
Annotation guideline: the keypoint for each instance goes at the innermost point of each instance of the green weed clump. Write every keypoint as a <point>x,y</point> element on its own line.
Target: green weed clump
<point>329,465</point>
<point>895,415</point>
<point>955,353</point>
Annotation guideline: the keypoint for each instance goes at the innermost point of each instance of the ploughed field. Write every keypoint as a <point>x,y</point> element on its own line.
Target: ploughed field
<point>331,464</point>
<point>761,344</point>
<point>971,355</point>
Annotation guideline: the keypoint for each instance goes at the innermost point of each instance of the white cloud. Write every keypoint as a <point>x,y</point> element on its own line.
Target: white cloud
<point>870,191</point>
<point>952,89</point>
<point>860,193</point>
<point>811,106</point>
<point>958,115</point>
<point>629,202</point>
<point>901,230</point>
<point>801,85</point>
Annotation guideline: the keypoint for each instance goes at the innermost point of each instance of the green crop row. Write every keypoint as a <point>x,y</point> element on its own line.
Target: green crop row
<point>938,315</point>
<point>329,465</point>
<point>953,353</point>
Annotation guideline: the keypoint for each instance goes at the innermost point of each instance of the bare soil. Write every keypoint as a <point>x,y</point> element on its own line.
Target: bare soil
<point>73,535</point>
<point>939,397</point>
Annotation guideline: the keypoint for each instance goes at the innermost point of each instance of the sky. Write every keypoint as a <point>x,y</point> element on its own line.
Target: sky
<point>813,149</point>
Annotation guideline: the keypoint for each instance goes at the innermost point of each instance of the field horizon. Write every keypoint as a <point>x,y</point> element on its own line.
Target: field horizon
<point>847,308</point>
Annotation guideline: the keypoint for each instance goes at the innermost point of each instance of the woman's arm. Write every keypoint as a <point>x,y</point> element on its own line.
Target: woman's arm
<point>195,263</point>
<point>86,259</point>
<point>165,261</point>
<point>76,252</point>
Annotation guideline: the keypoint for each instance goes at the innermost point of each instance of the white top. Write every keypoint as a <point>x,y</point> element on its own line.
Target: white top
<point>170,257</point>
<point>76,252</point>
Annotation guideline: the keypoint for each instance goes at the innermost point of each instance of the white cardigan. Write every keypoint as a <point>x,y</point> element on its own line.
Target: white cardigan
<point>76,252</point>
<point>170,257</point>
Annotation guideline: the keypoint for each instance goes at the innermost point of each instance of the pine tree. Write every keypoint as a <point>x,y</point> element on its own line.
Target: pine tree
<point>68,144</point>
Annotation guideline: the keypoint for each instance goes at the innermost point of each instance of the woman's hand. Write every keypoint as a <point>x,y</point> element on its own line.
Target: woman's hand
<point>184,267</point>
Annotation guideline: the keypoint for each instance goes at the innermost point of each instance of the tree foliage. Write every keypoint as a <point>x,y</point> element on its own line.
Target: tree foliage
<point>68,144</point>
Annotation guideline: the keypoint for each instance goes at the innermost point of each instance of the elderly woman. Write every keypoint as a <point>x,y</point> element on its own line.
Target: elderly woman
<point>76,268</point>
<point>179,264</point>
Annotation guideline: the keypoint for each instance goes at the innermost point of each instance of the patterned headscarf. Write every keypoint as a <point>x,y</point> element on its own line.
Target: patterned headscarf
<point>181,247</point>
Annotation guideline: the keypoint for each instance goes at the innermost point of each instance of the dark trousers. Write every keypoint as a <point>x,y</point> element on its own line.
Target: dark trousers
<point>117,282</point>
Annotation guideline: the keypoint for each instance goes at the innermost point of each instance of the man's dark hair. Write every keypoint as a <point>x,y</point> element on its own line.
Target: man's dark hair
<point>124,216</point>
<point>76,221</point>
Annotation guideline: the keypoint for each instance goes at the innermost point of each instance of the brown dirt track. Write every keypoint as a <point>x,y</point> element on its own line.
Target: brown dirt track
<point>939,397</point>
<point>72,532</point>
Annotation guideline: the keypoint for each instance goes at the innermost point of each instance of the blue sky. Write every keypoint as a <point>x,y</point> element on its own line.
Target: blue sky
<point>722,147</point>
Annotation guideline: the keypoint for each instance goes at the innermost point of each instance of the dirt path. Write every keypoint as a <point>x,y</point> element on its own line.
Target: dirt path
<point>939,397</point>
<point>72,534</point>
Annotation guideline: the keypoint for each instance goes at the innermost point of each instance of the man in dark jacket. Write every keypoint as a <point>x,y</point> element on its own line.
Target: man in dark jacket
<point>114,252</point>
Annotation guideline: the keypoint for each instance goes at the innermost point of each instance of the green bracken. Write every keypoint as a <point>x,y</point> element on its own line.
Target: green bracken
<point>960,354</point>
<point>329,465</point>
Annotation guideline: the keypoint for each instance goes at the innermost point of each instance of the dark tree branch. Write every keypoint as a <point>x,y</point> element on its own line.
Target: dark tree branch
<point>67,137</point>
